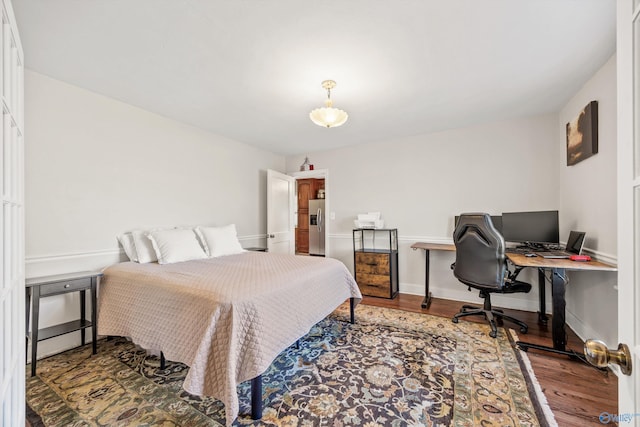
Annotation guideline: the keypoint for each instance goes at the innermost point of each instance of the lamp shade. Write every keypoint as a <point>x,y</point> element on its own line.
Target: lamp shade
<point>328,117</point>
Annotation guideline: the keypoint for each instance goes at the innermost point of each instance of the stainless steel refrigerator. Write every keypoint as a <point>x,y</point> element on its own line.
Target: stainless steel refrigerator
<point>316,227</point>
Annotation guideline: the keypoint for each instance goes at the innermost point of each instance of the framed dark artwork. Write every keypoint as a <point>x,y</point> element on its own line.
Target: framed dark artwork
<point>582,135</point>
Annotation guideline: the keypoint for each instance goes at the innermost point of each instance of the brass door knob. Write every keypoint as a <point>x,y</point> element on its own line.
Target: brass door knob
<point>597,353</point>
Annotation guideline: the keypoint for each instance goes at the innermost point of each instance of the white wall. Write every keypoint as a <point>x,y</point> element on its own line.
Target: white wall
<point>588,203</point>
<point>96,167</point>
<point>419,184</point>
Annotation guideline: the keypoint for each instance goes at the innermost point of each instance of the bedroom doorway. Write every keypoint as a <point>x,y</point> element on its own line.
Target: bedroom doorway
<point>286,207</point>
<point>312,213</point>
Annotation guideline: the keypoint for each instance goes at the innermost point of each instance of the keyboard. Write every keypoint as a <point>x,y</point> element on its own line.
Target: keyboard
<point>518,250</point>
<point>537,250</point>
<point>554,254</point>
<point>523,250</point>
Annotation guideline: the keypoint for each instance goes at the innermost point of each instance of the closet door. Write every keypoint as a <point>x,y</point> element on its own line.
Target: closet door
<point>12,290</point>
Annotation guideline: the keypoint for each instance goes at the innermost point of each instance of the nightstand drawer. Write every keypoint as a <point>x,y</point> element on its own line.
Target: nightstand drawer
<point>375,285</point>
<point>371,263</point>
<point>375,289</point>
<point>64,287</point>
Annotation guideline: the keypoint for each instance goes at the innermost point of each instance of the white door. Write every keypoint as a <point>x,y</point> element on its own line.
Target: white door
<point>280,213</point>
<point>628,51</point>
<point>12,345</point>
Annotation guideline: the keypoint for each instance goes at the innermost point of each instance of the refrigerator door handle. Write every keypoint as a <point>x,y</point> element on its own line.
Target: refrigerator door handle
<point>319,213</point>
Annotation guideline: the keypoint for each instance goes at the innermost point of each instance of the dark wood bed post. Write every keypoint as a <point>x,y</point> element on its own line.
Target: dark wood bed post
<point>256,398</point>
<point>256,383</point>
<point>352,306</point>
<point>256,392</point>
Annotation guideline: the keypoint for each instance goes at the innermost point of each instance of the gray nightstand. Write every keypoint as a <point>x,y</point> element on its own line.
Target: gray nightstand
<point>41,287</point>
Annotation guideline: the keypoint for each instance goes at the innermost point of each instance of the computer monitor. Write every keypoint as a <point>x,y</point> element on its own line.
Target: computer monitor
<point>540,227</point>
<point>495,219</point>
<point>575,242</point>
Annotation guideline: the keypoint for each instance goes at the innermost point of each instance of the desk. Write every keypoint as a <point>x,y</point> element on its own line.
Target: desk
<point>558,268</point>
<point>426,247</point>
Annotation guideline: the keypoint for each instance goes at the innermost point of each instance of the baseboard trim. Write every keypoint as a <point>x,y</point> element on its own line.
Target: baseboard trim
<point>583,331</point>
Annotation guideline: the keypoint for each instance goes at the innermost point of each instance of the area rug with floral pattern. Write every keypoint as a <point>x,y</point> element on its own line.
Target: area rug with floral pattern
<point>390,368</point>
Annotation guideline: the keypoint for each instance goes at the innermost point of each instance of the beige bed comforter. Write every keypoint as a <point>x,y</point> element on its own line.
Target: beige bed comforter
<point>227,318</point>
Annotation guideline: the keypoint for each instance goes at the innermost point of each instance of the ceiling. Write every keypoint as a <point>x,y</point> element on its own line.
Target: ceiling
<point>251,70</point>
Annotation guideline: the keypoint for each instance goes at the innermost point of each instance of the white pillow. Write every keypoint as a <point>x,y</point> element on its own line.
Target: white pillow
<point>176,245</point>
<point>219,241</point>
<point>144,247</point>
<point>126,240</point>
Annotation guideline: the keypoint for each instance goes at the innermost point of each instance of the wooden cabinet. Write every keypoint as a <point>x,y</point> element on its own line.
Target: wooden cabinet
<point>375,255</point>
<point>307,190</point>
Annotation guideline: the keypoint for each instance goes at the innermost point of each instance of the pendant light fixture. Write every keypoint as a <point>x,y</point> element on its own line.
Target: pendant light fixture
<point>328,116</point>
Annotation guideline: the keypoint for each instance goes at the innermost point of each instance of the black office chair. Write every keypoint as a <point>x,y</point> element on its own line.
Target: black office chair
<point>481,264</point>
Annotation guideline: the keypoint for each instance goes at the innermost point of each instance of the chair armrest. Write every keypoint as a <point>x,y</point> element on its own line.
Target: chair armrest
<point>513,275</point>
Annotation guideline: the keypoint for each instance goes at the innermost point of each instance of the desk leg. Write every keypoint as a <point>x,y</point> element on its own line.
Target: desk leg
<point>558,282</point>
<point>542,291</point>
<point>559,334</point>
<point>94,314</point>
<point>426,302</point>
<point>34,328</point>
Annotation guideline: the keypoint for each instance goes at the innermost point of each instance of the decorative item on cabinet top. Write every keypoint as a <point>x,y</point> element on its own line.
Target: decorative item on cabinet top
<point>306,166</point>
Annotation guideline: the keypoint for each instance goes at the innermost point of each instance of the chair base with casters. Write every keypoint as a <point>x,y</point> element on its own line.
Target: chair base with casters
<point>491,314</point>
<point>481,264</point>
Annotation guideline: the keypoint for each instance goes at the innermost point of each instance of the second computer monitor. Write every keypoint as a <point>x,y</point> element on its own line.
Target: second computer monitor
<point>531,227</point>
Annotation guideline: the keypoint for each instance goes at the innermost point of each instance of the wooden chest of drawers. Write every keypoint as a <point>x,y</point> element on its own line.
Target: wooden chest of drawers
<point>377,273</point>
<point>376,261</point>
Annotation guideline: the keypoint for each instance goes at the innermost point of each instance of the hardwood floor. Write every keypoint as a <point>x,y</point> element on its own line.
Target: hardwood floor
<point>577,393</point>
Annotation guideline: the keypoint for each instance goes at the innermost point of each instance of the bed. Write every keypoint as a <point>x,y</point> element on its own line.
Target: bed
<point>227,318</point>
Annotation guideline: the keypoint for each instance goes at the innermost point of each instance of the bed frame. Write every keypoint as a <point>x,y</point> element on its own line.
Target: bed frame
<point>256,383</point>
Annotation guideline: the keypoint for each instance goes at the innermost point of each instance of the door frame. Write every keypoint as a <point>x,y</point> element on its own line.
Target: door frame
<point>628,210</point>
<point>318,174</point>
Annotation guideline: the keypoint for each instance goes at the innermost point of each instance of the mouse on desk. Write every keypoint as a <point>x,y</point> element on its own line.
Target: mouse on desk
<point>530,255</point>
